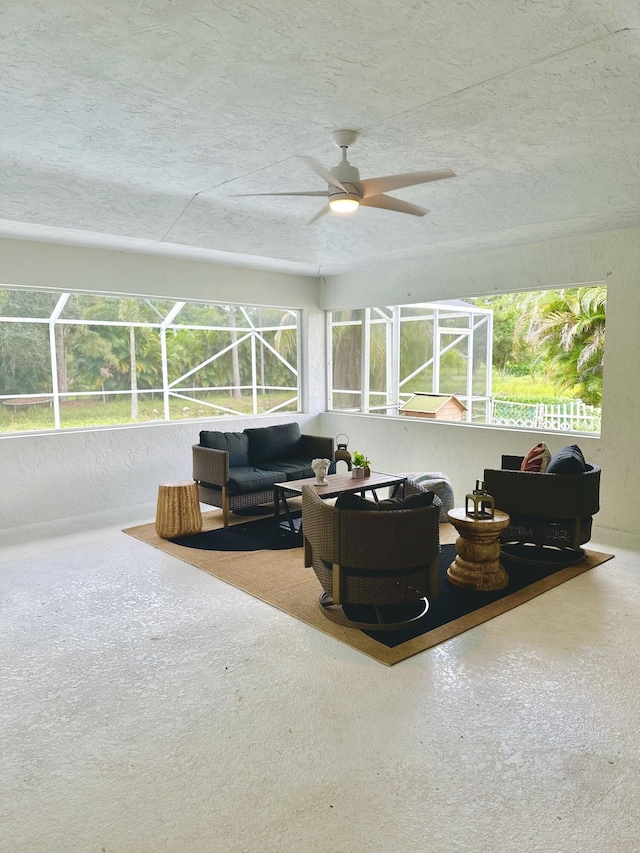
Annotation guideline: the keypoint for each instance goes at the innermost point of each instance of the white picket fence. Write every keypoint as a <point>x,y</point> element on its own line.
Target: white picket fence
<point>575,416</point>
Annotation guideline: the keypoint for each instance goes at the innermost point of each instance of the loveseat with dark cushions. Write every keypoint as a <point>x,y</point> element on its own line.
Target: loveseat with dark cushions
<point>551,512</point>
<point>235,470</point>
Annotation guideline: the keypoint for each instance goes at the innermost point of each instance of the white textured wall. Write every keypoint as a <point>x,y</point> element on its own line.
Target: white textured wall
<point>46,477</point>
<point>50,476</point>
<point>38,264</point>
<point>464,451</point>
<point>55,475</point>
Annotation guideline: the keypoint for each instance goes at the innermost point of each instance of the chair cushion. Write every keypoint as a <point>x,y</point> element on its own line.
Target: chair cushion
<point>349,500</point>
<point>235,443</point>
<point>268,444</point>
<point>537,459</point>
<point>569,460</point>
<point>244,479</point>
<point>295,469</point>
<point>390,504</point>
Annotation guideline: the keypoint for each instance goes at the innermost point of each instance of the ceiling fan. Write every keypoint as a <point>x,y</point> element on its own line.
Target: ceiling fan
<point>346,192</point>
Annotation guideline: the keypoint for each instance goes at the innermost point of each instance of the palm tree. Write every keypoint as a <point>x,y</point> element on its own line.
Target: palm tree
<point>567,327</point>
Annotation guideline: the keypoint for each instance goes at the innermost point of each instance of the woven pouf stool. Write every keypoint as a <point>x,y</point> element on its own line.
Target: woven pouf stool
<point>436,482</point>
<point>178,510</point>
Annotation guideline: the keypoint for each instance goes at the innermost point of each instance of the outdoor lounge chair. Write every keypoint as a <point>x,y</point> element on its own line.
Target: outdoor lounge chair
<point>551,514</point>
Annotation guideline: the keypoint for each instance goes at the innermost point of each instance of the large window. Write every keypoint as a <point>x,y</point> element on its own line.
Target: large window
<point>78,360</point>
<point>382,357</point>
<point>531,360</point>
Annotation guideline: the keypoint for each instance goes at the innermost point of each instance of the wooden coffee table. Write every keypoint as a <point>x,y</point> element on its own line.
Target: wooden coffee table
<point>338,485</point>
<point>477,563</point>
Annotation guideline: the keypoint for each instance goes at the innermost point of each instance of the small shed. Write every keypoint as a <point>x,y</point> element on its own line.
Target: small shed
<point>439,407</point>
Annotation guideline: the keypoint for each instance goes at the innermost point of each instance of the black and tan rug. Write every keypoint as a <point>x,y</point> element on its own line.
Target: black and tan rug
<point>279,578</point>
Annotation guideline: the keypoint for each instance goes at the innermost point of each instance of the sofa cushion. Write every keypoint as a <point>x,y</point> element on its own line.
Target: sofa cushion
<point>235,443</point>
<point>350,500</point>
<point>537,459</point>
<point>268,444</point>
<point>244,479</point>
<point>569,460</point>
<point>295,469</point>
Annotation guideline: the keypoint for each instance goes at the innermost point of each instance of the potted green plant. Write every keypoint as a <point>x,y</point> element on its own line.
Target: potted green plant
<point>361,465</point>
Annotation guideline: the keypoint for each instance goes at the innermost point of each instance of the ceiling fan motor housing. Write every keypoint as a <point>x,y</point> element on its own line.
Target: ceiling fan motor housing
<point>352,192</point>
<point>349,177</point>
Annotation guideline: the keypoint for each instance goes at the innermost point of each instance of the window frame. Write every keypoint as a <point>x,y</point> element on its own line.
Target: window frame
<point>167,389</point>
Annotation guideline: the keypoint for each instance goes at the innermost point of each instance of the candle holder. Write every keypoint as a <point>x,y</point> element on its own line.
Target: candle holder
<point>479,504</point>
<point>342,454</point>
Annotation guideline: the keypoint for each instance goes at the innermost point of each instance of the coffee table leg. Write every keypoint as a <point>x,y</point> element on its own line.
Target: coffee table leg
<point>276,509</point>
<point>288,513</point>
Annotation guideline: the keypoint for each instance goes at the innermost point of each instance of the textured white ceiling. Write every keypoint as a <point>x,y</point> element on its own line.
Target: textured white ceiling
<point>140,119</point>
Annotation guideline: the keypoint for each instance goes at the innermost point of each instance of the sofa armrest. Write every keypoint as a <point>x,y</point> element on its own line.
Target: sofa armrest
<point>210,466</point>
<point>316,447</point>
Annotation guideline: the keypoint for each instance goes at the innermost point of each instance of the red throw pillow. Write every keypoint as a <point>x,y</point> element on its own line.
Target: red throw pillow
<point>537,459</point>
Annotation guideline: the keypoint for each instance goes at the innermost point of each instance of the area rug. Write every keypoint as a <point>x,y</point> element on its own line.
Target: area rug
<point>279,578</point>
<point>257,535</point>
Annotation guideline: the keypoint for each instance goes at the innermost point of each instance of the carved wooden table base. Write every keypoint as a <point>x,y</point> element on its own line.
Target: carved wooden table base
<point>477,563</point>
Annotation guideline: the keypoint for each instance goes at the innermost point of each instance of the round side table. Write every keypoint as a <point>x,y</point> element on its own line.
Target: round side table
<point>178,510</point>
<point>477,563</point>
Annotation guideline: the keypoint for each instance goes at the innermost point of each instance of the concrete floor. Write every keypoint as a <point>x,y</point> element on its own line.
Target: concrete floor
<point>147,707</point>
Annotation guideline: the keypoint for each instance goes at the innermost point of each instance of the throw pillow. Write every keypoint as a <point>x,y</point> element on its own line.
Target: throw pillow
<point>271,444</point>
<point>569,460</point>
<point>235,443</point>
<point>349,500</point>
<point>537,459</point>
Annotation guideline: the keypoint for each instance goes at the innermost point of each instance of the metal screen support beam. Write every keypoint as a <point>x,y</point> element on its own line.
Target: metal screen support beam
<point>470,356</point>
<point>435,382</point>
<point>365,360</point>
<point>163,355</point>
<point>254,374</point>
<point>393,361</point>
<point>53,319</point>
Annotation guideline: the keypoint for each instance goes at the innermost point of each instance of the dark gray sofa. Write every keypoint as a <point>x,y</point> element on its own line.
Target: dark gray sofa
<point>235,470</point>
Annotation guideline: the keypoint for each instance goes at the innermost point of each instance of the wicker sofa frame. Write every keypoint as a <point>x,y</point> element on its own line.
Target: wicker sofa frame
<point>547,511</point>
<point>381,559</point>
<point>211,472</point>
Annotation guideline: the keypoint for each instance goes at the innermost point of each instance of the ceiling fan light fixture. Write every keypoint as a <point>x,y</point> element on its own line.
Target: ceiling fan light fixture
<point>344,205</point>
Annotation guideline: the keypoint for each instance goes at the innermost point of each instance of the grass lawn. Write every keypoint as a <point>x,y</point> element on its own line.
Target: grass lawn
<point>90,412</point>
<point>526,387</point>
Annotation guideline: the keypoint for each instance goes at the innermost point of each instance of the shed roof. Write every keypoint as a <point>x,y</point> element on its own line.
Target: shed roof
<point>424,402</point>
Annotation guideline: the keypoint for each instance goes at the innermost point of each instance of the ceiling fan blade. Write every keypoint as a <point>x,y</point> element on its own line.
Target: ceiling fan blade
<point>374,186</point>
<point>323,173</point>
<point>313,193</point>
<point>322,212</point>
<point>387,202</point>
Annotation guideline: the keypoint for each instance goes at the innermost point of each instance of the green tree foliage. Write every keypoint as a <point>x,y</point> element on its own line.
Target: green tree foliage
<point>510,355</point>
<point>567,328</point>
<point>109,358</point>
<point>25,358</point>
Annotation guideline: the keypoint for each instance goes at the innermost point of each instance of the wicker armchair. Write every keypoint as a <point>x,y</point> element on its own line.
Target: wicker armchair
<point>382,565</point>
<point>551,514</point>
